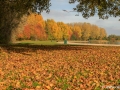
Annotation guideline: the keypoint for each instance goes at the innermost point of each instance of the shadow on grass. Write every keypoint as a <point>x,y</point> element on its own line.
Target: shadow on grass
<point>23,44</point>
<point>21,48</point>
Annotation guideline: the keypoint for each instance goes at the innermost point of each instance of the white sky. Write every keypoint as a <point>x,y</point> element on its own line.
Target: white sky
<point>111,25</point>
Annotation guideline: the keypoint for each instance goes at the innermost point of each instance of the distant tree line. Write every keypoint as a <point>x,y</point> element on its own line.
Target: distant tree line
<point>35,28</point>
<point>113,37</point>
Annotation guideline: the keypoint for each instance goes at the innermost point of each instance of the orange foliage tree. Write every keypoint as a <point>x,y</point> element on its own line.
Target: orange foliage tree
<point>34,28</point>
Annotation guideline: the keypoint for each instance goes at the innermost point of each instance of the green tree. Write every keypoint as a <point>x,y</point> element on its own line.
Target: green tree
<point>118,37</point>
<point>112,38</point>
<point>103,8</point>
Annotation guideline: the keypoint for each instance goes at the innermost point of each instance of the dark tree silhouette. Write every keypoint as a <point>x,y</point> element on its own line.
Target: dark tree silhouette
<point>103,8</point>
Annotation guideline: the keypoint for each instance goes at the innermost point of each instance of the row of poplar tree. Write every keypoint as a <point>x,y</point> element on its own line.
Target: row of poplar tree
<point>35,28</point>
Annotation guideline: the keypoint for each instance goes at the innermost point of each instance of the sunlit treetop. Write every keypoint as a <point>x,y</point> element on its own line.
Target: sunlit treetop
<point>103,8</point>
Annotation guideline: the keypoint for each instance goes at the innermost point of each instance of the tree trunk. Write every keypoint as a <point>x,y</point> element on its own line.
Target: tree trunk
<point>7,35</point>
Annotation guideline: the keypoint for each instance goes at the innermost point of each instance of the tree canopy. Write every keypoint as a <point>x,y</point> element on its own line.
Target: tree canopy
<point>103,8</point>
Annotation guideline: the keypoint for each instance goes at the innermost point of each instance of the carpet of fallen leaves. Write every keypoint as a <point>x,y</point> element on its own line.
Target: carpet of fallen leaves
<point>59,67</point>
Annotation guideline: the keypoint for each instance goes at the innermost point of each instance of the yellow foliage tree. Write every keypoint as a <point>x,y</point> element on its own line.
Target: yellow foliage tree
<point>52,29</point>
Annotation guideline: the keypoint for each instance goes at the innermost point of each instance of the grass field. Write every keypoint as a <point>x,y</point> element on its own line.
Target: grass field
<point>29,42</point>
<point>34,67</point>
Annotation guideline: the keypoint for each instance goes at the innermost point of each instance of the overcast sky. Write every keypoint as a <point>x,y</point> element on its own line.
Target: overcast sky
<point>111,25</point>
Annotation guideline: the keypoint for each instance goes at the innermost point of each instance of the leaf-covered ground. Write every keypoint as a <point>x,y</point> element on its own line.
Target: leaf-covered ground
<point>59,67</point>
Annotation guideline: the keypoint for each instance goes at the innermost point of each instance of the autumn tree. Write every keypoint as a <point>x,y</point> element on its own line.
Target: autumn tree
<point>27,32</point>
<point>60,33</point>
<point>37,26</point>
<point>65,30</point>
<point>76,32</point>
<point>86,29</point>
<point>52,29</point>
<point>34,28</point>
<point>95,32</point>
<point>19,29</point>
<point>103,33</point>
<point>70,32</point>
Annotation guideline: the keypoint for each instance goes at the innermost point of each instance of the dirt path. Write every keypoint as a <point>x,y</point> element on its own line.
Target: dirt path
<point>73,43</point>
